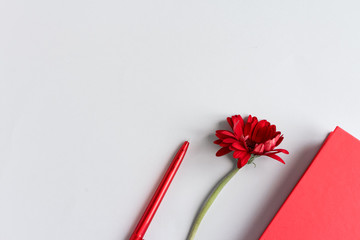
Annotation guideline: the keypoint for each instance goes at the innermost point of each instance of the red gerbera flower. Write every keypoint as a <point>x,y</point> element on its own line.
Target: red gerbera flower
<point>250,139</point>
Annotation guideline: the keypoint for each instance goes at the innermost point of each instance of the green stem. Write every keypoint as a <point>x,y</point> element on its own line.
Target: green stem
<point>209,201</point>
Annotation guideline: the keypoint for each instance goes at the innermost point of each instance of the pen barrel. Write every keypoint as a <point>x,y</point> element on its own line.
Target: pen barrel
<point>159,194</point>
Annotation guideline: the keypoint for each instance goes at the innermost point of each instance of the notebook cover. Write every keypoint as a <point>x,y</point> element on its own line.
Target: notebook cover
<point>325,203</point>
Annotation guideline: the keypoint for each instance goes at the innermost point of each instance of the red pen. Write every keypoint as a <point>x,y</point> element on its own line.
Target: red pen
<point>159,194</point>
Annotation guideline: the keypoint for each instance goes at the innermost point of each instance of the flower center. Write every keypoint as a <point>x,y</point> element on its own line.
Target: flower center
<point>250,144</point>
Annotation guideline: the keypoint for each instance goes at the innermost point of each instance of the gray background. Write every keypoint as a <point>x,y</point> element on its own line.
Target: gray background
<point>96,97</point>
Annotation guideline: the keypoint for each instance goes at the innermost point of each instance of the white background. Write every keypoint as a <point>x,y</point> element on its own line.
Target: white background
<point>97,96</point>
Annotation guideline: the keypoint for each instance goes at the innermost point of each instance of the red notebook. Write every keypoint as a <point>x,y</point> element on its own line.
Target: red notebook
<point>325,203</point>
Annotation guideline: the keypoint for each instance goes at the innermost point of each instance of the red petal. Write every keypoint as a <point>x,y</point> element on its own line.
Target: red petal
<point>269,145</point>
<point>224,145</point>
<point>222,151</point>
<point>276,157</point>
<point>229,140</point>
<point>279,140</point>
<point>250,125</point>
<point>233,149</point>
<point>281,151</point>
<point>229,120</point>
<point>239,154</point>
<point>259,131</point>
<point>259,149</point>
<point>247,126</point>
<point>238,146</point>
<point>243,160</point>
<point>276,138</point>
<point>270,132</point>
<point>222,134</point>
<point>234,119</point>
<point>239,119</point>
<point>238,129</point>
